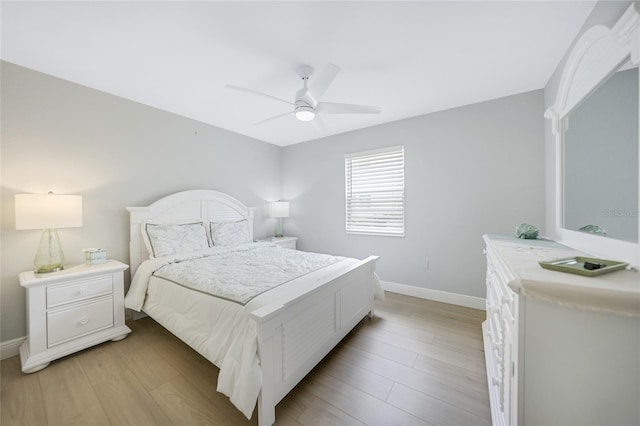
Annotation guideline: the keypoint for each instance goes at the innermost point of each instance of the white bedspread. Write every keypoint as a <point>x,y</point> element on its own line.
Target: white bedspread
<point>231,275</point>
<point>219,329</point>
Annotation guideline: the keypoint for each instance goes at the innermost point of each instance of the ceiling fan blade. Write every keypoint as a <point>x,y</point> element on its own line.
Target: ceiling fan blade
<point>320,83</point>
<point>272,118</point>
<point>318,123</point>
<point>243,89</point>
<point>333,108</point>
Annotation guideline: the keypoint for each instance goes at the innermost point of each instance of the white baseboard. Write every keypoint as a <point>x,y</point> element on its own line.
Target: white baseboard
<point>11,347</point>
<point>437,295</point>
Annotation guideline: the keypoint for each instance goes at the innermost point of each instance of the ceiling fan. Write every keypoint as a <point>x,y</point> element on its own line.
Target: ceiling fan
<point>306,104</point>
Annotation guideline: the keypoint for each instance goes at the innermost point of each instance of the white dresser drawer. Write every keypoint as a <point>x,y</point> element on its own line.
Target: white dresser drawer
<point>79,290</point>
<point>68,324</point>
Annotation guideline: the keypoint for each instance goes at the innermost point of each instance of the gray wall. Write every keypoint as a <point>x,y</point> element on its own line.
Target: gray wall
<point>468,171</point>
<point>471,170</point>
<point>62,137</point>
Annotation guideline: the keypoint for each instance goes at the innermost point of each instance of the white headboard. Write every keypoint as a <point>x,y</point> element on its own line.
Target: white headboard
<point>194,205</point>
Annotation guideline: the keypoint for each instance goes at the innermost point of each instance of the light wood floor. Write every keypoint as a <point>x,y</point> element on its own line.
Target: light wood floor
<point>416,363</point>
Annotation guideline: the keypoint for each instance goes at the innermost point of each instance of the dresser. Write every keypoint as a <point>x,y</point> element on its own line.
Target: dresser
<point>560,349</point>
<point>71,310</point>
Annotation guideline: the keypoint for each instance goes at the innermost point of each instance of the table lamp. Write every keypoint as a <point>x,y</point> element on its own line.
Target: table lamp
<point>279,209</point>
<point>48,212</point>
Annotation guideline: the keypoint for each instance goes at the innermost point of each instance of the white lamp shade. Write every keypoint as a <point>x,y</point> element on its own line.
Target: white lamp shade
<point>44,211</point>
<point>279,209</point>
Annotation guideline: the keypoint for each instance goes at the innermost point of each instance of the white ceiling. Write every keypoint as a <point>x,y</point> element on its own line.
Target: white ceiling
<point>409,58</point>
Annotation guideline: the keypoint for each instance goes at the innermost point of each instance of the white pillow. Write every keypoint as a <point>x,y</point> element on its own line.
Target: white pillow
<point>230,233</point>
<point>164,240</point>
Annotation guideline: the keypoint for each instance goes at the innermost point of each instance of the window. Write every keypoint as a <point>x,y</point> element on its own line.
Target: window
<point>375,192</point>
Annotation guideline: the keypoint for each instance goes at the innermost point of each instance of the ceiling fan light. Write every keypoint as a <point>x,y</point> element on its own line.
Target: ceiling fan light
<point>305,114</point>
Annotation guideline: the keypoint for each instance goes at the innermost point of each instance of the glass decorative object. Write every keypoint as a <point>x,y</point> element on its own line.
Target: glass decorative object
<point>95,256</point>
<point>49,257</point>
<point>279,209</point>
<point>593,229</point>
<point>526,231</point>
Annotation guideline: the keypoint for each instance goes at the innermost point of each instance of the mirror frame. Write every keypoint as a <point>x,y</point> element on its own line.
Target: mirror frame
<point>598,53</point>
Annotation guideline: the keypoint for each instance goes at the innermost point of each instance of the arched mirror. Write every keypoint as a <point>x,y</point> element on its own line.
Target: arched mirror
<point>596,122</point>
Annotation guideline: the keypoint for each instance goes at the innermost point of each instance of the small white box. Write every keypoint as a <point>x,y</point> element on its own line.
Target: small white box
<point>95,256</point>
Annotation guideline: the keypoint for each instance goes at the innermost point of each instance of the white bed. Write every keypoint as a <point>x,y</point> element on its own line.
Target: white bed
<point>284,332</point>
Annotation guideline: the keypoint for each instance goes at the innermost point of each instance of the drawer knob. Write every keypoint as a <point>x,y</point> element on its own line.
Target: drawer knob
<point>83,321</point>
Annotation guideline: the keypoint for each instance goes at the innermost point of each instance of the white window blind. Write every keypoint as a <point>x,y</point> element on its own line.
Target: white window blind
<point>375,192</point>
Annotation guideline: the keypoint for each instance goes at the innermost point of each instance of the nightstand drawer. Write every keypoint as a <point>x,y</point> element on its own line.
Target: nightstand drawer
<point>284,242</point>
<point>288,244</point>
<point>68,324</point>
<point>78,290</point>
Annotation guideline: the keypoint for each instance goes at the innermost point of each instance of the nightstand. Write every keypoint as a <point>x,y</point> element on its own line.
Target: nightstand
<point>71,310</point>
<point>284,242</point>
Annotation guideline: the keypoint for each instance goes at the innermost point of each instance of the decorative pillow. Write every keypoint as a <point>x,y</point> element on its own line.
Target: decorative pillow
<point>230,233</point>
<point>164,240</point>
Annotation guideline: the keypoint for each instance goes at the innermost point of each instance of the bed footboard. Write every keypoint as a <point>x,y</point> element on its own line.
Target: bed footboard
<point>294,336</point>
